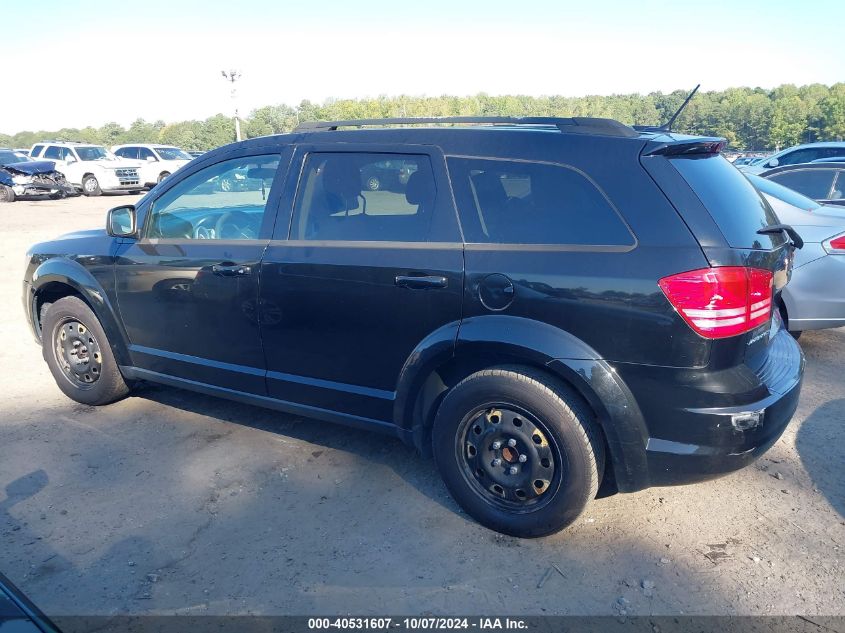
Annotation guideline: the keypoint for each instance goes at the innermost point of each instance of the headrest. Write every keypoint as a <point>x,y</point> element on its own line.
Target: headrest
<point>420,188</point>
<point>341,177</point>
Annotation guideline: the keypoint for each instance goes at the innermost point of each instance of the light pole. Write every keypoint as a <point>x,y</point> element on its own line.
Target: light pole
<point>232,76</point>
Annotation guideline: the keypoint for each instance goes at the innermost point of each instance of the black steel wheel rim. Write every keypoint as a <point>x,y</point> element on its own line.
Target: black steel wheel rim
<point>77,353</point>
<point>509,457</point>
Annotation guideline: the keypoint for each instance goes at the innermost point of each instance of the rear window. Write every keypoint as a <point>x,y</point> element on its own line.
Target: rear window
<point>790,196</point>
<point>517,202</point>
<point>733,202</point>
<point>813,183</point>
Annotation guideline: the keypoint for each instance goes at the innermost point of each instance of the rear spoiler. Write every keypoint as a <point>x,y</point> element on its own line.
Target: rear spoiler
<point>685,147</point>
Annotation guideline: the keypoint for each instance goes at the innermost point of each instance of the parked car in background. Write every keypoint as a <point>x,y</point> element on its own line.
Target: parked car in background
<point>90,168</point>
<point>390,175</point>
<point>744,160</point>
<point>797,154</point>
<point>824,182</point>
<point>815,297</point>
<point>21,176</point>
<point>536,316</point>
<point>195,153</point>
<point>157,161</point>
<point>21,150</point>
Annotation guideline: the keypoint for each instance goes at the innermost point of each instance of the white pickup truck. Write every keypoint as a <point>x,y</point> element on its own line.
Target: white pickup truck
<point>90,168</point>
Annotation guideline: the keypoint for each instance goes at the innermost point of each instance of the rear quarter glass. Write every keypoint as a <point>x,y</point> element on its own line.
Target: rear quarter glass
<point>734,204</point>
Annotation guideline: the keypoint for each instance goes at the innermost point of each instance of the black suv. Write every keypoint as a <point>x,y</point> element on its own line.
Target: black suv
<point>543,303</point>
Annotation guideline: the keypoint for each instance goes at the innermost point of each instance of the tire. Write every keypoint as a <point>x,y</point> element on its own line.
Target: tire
<point>162,176</point>
<point>7,194</point>
<point>70,324</point>
<point>554,436</point>
<point>91,186</point>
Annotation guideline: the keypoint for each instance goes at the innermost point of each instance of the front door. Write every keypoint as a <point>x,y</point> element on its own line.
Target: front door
<point>373,265</point>
<point>187,290</point>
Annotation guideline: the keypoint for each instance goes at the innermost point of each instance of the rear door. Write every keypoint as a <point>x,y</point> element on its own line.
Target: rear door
<point>359,275</point>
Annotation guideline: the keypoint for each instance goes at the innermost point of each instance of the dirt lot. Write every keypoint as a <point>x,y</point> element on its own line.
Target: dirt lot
<point>171,502</point>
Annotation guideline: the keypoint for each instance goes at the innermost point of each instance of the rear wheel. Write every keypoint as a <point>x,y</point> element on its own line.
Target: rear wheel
<point>163,175</point>
<point>7,194</point>
<point>78,354</point>
<point>91,186</point>
<point>518,450</point>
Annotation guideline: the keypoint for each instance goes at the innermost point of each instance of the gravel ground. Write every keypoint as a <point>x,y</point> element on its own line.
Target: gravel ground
<point>172,502</point>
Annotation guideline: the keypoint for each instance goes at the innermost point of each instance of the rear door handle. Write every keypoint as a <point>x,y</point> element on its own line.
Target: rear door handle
<point>420,282</point>
<point>230,270</point>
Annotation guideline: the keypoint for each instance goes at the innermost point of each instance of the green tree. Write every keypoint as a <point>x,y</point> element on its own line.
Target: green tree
<point>789,121</point>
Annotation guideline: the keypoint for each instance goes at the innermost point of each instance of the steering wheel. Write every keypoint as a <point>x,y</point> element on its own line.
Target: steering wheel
<point>205,229</point>
<point>235,225</point>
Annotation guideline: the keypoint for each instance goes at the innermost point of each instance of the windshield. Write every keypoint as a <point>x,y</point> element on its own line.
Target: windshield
<point>785,194</point>
<point>173,153</point>
<point>10,158</point>
<point>91,153</point>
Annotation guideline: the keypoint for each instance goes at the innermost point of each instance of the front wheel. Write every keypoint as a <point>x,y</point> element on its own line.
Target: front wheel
<point>91,186</point>
<point>7,194</point>
<point>78,353</point>
<point>163,175</point>
<point>518,450</point>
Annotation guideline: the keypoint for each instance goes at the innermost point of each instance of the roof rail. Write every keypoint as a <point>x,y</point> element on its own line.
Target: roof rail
<point>573,125</point>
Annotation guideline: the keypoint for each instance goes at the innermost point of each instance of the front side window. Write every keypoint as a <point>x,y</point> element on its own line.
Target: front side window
<point>813,183</point>
<point>225,201</point>
<point>91,153</point>
<point>127,152</point>
<point>173,153</point>
<point>365,197</point>
<point>510,202</point>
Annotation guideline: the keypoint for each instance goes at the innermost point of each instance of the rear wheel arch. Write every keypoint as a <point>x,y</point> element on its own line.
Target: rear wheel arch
<point>452,371</point>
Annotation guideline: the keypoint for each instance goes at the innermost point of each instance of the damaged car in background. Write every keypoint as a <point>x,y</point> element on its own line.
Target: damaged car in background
<point>20,176</point>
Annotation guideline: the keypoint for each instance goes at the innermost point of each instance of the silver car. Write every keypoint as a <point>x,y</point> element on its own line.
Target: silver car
<point>815,297</point>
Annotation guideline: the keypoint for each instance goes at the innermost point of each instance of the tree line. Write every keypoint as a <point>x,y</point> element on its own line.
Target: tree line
<point>749,118</point>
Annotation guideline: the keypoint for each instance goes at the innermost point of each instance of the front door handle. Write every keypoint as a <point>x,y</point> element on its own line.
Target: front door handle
<point>230,270</point>
<point>420,282</point>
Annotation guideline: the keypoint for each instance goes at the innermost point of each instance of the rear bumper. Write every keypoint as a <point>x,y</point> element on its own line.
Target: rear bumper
<point>672,463</point>
<point>701,424</point>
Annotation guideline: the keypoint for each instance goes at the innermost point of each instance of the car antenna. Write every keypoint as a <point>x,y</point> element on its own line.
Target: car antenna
<point>667,127</point>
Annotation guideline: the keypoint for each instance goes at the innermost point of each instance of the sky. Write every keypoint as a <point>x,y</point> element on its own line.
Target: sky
<point>94,61</point>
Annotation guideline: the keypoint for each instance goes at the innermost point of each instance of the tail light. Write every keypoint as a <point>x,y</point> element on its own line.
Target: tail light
<point>835,245</point>
<point>721,302</point>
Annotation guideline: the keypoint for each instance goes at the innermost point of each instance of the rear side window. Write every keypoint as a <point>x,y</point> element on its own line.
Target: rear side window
<point>513,202</point>
<point>365,197</point>
<point>813,183</point>
<point>733,202</point>
<point>36,150</point>
<point>54,152</point>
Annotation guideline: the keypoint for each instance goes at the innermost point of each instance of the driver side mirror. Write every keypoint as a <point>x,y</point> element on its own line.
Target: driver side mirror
<point>152,159</point>
<point>120,221</point>
<point>773,162</point>
<point>70,159</point>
